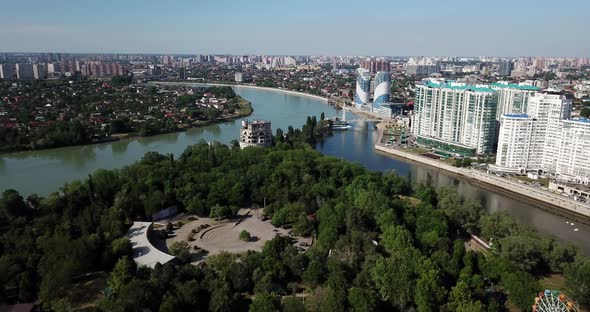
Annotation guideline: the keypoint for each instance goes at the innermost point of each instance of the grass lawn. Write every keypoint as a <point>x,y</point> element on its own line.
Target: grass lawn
<point>244,107</point>
<point>416,150</point>
<point>544,182</point>
<point>554,282</point>
<point>86,292</point>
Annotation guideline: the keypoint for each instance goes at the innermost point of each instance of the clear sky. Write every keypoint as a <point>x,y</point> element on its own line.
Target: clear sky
<point>299,27</point>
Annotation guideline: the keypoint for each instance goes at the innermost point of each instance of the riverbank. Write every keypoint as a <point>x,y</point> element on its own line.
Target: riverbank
<point>548,201</point>
<point>244,111</point>
<point>317,97</point>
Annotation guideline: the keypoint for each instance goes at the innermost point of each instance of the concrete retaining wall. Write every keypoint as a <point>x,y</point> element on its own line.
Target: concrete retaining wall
<point>556,201</point>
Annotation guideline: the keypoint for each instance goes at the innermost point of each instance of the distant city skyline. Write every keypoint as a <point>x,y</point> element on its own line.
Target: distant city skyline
<point>305,27</point>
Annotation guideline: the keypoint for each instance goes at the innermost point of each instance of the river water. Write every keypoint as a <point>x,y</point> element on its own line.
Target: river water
<point>43,172</point>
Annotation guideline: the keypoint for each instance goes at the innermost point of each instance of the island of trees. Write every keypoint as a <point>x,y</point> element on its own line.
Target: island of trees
<point>47,114</point>
<point>380,244</point>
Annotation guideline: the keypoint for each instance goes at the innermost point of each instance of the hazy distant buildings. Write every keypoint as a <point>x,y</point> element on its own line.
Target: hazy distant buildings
<point>376,66</point>
<point>39,71</point>
<point>6,71</point>
<point>24,71</point>
<point>182,73</point>
<point>238,77</point>
<point>506,68</point>
<point>422,67</point>
<point>457,118</point>
<point>363,87</point>
<point>382,88</point>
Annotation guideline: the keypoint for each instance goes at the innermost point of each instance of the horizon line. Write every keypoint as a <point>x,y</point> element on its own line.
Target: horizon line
<point>305,55</point>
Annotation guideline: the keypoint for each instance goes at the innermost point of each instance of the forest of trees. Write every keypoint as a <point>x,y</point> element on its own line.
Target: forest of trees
<point>381,244</point>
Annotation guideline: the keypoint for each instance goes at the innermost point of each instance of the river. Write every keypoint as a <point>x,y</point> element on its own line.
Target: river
<point>43,172</point>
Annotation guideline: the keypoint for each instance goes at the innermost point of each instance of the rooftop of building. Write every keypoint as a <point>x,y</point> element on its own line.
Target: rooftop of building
<point>258,122</point>
<point>461,87</point>
<point>514,86</point>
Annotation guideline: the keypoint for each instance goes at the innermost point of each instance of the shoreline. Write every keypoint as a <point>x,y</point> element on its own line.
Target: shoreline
<point>544,200</point>
<point>214,84</point>
<point>120,137</point>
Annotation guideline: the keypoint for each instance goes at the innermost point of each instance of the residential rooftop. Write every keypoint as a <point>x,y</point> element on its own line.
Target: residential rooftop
<point>502,85</point>
<point>461,87</point>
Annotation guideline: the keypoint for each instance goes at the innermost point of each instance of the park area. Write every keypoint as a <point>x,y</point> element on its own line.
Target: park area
<point>207,236</point>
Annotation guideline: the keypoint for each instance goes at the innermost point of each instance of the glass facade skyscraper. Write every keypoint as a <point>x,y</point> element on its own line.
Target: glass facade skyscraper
<point>382,88</point>
<point>363,87</point>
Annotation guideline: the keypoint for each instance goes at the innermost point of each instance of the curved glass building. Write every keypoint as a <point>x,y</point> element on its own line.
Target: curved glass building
<point>363,87</point>
<point>382,87</point>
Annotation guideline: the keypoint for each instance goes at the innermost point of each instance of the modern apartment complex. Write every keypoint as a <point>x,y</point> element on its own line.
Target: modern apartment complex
<point>363,87</point>
<point>459,115</point>
<point>545,140</point>
<point>513,98</point>
<point>382,88</point>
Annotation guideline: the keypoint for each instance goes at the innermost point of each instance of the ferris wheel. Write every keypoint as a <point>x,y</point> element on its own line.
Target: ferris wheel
<point>554,301</point>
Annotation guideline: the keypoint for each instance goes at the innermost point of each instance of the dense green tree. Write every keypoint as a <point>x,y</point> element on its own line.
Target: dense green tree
<point>123,273</point>
<point>180,249</point>
<point>392,275</point>
<point>461,299</point>
<point>361,300</point>
<point>577,279</point>
<point>292,304</point>
<point>313,274</point>
<point>396,238</point>
<point>521,287</point>
<point>265,302</point>
<point>430,291</point>
<point>323,299</point>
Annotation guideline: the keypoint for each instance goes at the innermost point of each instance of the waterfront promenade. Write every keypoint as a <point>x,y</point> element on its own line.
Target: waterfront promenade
<point>549,201</point>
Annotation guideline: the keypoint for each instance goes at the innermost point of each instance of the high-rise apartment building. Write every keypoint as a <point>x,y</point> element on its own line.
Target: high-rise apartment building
<point>506,68</point>
<point>376,66</point>
<point>382,85</point>
<point>24,71</point>
<point>573,161</point>
<point>39,71</point>
<point>6,71</point>
<point>545,139</point>
<point>363,87</point>
<point>513,98</point>
<point>457,115</point>
<point>422,67</point>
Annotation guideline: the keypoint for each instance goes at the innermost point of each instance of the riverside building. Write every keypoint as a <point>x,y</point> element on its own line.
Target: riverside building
<point>513,98</point>
<point>455,117</point>
<point>545,140</point>
<point>255,133</point>
<point>382,88</point>
<point>363,87</point>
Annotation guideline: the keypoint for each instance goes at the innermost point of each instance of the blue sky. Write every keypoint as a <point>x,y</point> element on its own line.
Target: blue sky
<point>310,27</point>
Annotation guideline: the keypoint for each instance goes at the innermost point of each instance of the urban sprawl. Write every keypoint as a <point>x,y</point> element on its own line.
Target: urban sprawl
<point>526,115</point>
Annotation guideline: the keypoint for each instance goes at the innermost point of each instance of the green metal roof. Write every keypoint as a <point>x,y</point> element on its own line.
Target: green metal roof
<point>515,86</point>
<point>461,87</point>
